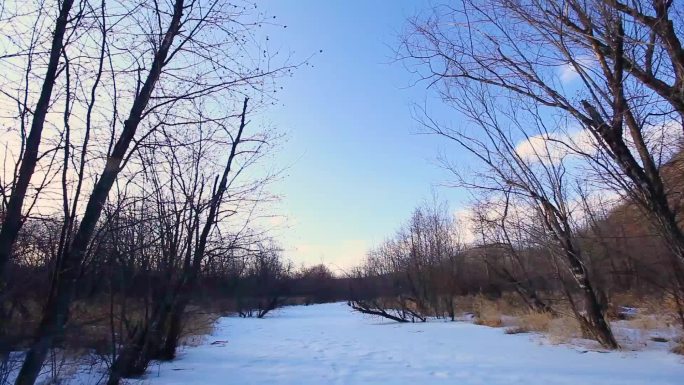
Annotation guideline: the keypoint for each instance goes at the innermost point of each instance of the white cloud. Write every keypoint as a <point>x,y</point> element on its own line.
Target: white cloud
<point>518,211</point>
<point>568,71</point>
<point>597,202</point>
<point>554,147</point>
<point>464,219</point>
<point>664,138</point>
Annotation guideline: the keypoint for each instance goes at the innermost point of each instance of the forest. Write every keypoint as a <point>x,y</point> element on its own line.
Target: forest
<point>136,188</point>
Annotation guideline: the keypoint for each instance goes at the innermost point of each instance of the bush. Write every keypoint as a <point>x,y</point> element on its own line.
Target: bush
<point>532,321</point>
<point>196,326</point>
<point>564,329</point>
<point>487,312</point>
<point>679,348</point>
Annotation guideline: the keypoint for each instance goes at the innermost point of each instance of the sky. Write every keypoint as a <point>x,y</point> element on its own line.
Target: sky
<point>356,163</point>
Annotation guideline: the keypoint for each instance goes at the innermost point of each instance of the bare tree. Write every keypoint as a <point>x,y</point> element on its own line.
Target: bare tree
<point>644,38</point>
<point>538,177</point>
<point>607,49</point>
<point>13,216</point>
<point>56,310</point>
<point>416,274</point>
<point>266,282</point>
<point>158,336</point>
<point>181,37</point>
<point>503,234</point>
<point>134,193</point>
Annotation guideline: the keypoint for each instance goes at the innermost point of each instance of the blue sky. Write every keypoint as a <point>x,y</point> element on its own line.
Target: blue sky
<point>357,166</point>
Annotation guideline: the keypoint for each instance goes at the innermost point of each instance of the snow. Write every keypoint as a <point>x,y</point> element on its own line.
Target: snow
<point>330,344</point>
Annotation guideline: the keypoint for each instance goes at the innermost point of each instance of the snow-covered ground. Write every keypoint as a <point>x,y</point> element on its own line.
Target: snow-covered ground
<point>329,344</point>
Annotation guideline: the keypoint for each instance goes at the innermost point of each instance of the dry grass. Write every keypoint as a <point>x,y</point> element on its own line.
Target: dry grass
<point>563,330</point>
<point>197,326</point>
<point>645,322</point>
<point>665,306</point>
<point>534,321</point>
<point>557,329</point>
<point>623,299</point>
<point>662,304</point>
<point>655,313</point>
<point>490,312</point>
<point>679,348</point>
<point>487,312</point>
<point>89,327</point>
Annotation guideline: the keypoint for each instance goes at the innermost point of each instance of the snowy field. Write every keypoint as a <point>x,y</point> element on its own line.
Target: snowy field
<point>330,344</point>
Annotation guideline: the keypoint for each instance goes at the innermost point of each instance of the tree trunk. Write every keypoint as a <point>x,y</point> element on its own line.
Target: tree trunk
<point>594,320</point>
<point>173,333</point>
<point>142,346</point>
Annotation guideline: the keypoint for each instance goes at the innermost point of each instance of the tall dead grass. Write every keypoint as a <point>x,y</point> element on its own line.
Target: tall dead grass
<point>197,326</point>
<point>487,312</point>
<point>531,321</point>
<point>89,327</point>
<point>563,329</point>
<point>509,309</point>
<point>655,314</point>
<point>679,348</point>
